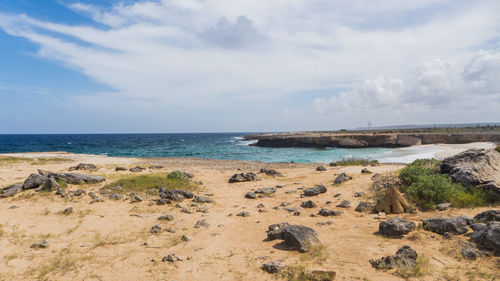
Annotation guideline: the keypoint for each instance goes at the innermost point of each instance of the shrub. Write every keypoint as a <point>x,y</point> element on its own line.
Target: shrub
<point>355,162</point>
<point>425,186</point>
<point>143,183</point>
<point>176,175</point>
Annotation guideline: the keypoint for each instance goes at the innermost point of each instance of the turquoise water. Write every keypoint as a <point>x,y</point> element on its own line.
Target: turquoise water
<point>209,145</point>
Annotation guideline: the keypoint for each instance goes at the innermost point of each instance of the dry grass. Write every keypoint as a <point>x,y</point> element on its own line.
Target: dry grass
<point>421,268</point>
<point>147,182</point>
<point>318,254</point>
<point>62,263</point>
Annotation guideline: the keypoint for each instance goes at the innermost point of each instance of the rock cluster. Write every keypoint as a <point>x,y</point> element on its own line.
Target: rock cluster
<point>241,177</point>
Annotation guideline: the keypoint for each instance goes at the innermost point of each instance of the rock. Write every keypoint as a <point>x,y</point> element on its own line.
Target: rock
<point>202,199</point>
<point>313,191</point>
<point>344,204</point>
<point>308,204</point>
<point>34,181</point>
<point>359,194</point>
<point>478,226</point>
<point>273,267</point>
<point>456,225</point>
<point>260,206</point>
<point>488,237</point>
<point>343,177</point>
<point>50,184</point>
<point>443,206</point>
<point>396,227</point>
<point>365,171</point>
<point>172,258</point>
<point>155,229</point>
<point>296,213</point>
<point>186,210</point>
<point>271,172</point>
<point>42,244</point>
<point>11,190</point>
<point>79,192</point>
<point>96,199</point>
<point>185,238</point>
<point>383,182</point>
<point>241,177</point>
<point>296,236</point>
<point>136,198</point>
<point>285,203</point>
<point>83,166</point>
<point>337,195</point>
<point>364,206</point>
<point>115,196</point>
<point>291,209</point>
<point>120,169</point>
<point>266,190</point>
<point>320,169</point>
<point>488,216</point>
<point>475,167</point>
<point>201,223</point>
<point>405,257</point>
<point>392,203</point>
<point>166,218</point>
<point>67,211</point>
<point>202,209</point>
<point>243,214</point>
<point>162,201</point>
<point>156,167</point>
<point>327,213</point>
<point>137,169</point>
<point>250,195</point>
<point>175,194</point>
<point>469,251</point>
<point>61,192</point>
<point>73,178</point>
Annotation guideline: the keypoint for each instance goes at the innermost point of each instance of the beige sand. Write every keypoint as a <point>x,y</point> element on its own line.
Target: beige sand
<point>111,240</point>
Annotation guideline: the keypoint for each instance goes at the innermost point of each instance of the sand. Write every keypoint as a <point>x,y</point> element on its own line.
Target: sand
<point>111,240</point>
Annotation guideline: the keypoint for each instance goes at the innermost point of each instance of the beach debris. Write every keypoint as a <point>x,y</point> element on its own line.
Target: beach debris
<point>84,166</point>
<point>488,216</point>
<point>488,237</point>
<point>396,227</point>
<point>405,257</point>
<point>343,177</point>
<point>308,204</point>
<point>201,223</point>
<point>119,168</point>
<point>42,244</point>
<point>242,177</point>
<point>328,213</point>
<point>344,204</point>
<point>298,237</point>
<point>137,169</point>
<point>392,203</point>
<point>364,206</point>
<point>250,195</point>
<point>271,172</point>
<point>11,190</point>
<point>365,171</point>
<point>273,267</point>
<point>458,225</point>
<point>320,169</point>
<point>313,191</point>
<point>475,167</point>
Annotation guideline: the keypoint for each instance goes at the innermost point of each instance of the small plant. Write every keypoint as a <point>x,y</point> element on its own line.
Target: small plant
<point>318,253</point>
<point>176,175</point>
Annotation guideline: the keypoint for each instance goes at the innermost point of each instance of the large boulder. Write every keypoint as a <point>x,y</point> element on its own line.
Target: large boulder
<point>34,181</point>
<point>11,190</point>
<point>475,167</point>
<point>343,177</point>
<point>296,236</point>
<point>313,191</point>
<point>405,257</point>
<point>458,225</point>
<point>396,227</point>
<point>241,177</point>
<point>488,237</point>
<point>84,166</point>
<point>75,178</point>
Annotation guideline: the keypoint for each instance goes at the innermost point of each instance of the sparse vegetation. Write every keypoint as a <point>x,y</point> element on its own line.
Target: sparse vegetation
<point>421,268</point>
<point>425,186</point>
<point>300,273</point>
<point>62,263</point>
<point>52,160</point>
<point>355,162</point>
<point>34,161</point>
<point>144,183</point>
<point>318,253</point>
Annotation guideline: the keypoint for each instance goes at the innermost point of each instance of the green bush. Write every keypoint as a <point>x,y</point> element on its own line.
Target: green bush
<point>425,186</point>
<point>144,183</point>
<point>355,162</point>
<point>176,175</point>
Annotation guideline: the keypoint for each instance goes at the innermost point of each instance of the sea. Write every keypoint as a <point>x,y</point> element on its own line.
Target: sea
<point>199,145</point>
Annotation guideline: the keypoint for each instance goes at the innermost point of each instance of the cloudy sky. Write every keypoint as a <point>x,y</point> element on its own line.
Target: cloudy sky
<point>246,65</point>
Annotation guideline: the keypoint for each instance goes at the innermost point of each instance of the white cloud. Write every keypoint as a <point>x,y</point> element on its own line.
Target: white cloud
<point>217,54</point>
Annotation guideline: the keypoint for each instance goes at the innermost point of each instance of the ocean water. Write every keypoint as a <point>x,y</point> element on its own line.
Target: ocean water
<point>207,145</point>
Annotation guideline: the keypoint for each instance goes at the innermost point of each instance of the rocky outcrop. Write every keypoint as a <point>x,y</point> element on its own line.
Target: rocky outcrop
<point>475,167</point>
<point>271,172</point>
<point>84,166</point>
<point>396,227</point>
<point>458,225</point>
<point>405,257</point>
<point>11,190</point>
<point>366,139</point>
<point>488,237</point>
<point>488,216</point>
<point>296,236</point>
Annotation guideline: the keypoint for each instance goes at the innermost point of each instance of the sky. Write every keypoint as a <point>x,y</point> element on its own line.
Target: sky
<point>103,66</point>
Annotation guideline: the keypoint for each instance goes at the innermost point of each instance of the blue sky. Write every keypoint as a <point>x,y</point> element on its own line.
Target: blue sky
<point>212,66</point>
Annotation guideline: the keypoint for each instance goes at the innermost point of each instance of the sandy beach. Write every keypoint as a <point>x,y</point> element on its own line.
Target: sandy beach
<point>111,240</point>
